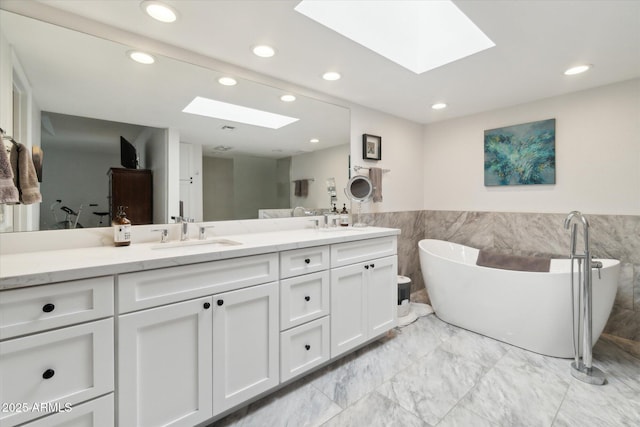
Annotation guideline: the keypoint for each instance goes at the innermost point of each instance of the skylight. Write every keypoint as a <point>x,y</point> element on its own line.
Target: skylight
<point>418,35</point>
<point>237,113</point>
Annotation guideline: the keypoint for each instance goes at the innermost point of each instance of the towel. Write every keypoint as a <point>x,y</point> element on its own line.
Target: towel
<point>24,175</point>
<point>513,262</point>
<point>375,175</point>
<point>301,188</point>
<point>8,191</point>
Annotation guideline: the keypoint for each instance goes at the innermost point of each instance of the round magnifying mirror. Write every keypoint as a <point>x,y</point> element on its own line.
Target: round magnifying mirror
<point>359,188</point>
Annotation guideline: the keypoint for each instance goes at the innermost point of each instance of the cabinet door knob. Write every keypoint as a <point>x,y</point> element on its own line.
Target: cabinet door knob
<point>307,346</point>
<point>307,260</point>
<point>220,302</point>
<point>49,373</point>
<point>206,305</point>
<point>366,267</point>
<point>48,308</point>
<point>372,265</point>
<point>307,298</point>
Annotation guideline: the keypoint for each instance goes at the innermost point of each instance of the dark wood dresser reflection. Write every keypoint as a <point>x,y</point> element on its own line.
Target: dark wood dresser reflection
<point>132,188</point>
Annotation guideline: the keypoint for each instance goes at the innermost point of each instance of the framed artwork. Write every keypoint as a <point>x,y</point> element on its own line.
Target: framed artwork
<point>371,147</point>
<point>522,154</point>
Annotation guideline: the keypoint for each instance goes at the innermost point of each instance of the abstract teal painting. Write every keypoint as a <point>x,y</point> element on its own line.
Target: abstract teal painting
<point>521,154</point>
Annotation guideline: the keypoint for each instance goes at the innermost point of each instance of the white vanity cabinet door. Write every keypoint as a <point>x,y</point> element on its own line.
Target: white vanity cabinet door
<point>64,366</point>
<point>95,413</point>
<point>164,365</point>
<point>348,308</point>
<point>303,348</point>
<point>38,308</point>
<point>363,302</point>
<point>382,293</point>
<point>303,261</point>
<point>303,298</point>
<point>245,344</point>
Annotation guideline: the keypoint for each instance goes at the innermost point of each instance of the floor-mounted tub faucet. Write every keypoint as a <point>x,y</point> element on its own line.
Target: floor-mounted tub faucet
<point>582,367</point>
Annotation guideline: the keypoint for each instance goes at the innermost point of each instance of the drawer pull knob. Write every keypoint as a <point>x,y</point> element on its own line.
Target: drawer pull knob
<point>48,308</point>
<point>307,346</point>
<point>220,302</point>
<point>366,267</point>
<point>307,298</point>
<point>49,373</point>
<point>372,265</point>
<point>307,260</point>
<point>206,305</point>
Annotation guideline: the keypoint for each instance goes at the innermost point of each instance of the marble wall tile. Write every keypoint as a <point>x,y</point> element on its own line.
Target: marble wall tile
<point>468,228</point>
<point>616,236</point>
<point>624,323</point>
<point>530,234</point>
<point>636,287</point>
<point>624,296</point>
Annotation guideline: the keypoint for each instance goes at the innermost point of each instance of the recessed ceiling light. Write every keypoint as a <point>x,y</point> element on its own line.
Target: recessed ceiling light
<point>439,106</point>
<point>237,113</point>
<point>159,11</point>
<point>577,70</point>
<point>314,140</point>
<point>418,35</point>
<point>287,98</point>
<point>227,81</point>
<point>141,57</point>
<point>331,76</point>
<point>264,51</point>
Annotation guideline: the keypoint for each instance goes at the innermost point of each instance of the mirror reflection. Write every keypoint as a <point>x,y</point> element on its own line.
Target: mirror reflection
<point>86,94</point>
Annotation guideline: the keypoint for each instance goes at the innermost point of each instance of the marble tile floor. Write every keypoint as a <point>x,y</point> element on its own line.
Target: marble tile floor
<point>434,374</point>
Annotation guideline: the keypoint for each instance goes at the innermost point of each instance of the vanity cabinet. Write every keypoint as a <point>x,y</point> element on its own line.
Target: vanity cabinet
<point>49,360</point>
<point>185,361</point>
<point>245,344</point>
<point>362,292</point>
<point>164,365</point>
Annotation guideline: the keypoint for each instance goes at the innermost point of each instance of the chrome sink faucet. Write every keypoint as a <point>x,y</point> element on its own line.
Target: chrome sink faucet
<point>184,227</point>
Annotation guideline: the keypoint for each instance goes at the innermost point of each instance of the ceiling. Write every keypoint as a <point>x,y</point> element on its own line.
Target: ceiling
<point>535,42</point>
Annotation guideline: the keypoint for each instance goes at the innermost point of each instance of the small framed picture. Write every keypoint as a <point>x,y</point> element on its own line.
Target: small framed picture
<point>371,147</point>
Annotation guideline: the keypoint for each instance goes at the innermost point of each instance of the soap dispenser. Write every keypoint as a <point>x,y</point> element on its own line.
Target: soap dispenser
<point>121,228</point>
<point>344,216</point>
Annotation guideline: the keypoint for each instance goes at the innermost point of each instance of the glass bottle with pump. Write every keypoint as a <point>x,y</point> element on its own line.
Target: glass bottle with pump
<point>121,228</point>
<point>344,216</point>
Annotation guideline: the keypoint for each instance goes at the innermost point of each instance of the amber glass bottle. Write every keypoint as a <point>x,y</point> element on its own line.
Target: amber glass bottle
<point>121,228</point>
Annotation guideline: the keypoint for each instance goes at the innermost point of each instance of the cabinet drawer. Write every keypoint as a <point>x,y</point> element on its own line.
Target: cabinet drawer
<point>303,261</point>
<point>28,310</point>
<point>152,288</point>
<point>363,250</point>
<point>303,298</point>
<point>303,348</point>
<point>65,366</point>
<point>96,413</point>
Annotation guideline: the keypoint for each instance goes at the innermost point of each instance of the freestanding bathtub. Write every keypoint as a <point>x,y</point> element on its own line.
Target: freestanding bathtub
<point>526,309</point>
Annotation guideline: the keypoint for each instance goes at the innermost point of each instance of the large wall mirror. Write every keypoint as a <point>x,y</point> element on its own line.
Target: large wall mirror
<point>86,93</point>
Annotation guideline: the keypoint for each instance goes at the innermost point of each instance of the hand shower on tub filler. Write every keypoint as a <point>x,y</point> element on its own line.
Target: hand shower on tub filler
<point>581,367</point>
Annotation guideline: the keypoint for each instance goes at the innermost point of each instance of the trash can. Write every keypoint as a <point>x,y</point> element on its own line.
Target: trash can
<point>404,294</point>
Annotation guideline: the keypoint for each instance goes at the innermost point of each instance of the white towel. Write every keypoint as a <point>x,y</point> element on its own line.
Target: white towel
<point>8,191</point>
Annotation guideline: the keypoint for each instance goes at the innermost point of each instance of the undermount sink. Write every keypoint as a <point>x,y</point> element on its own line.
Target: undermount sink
<point>189,243</point>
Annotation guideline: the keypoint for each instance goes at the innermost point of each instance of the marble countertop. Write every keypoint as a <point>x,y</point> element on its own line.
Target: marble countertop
<point>36,268</point>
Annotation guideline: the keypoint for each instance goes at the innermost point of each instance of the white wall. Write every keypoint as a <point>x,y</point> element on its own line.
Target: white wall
<point>402,148</point>
<point>597,156</point>
<point>320,165</point>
